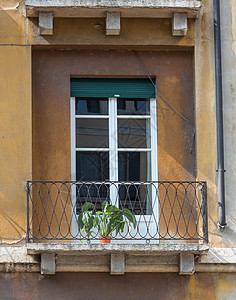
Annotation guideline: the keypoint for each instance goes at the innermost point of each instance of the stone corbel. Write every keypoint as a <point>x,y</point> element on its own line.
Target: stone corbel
<point>48,263</point>
<point>117,264</point>
<point>186,264</point>
<point>113,23</point>
<point>179,24</point>
<point>46,23</point>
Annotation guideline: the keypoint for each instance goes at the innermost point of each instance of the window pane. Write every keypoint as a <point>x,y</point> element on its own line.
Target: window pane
<point>136,197</point>
<point>92,133</point>
<point>91,192</point>
<point>91,106</point>
<point>92,166</point>
<point>134,133</point>
<point>133,107</point>
<point>134,166</point>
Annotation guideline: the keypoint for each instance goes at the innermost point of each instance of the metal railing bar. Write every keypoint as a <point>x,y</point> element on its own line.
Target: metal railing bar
<point>182,207</point>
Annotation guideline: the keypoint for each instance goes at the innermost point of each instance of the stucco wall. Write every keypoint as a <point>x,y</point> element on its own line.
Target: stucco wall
<point>51,114</point>
<point>51,106</point>
<point>15,122</point>
<point>15,81</point>
<point>228,16</point>
<point>136,286</point>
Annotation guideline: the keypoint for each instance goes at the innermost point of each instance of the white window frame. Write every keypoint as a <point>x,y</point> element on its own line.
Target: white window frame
<point>114,150</point>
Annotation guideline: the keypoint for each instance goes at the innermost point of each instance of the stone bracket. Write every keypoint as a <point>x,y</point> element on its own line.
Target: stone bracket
<point>117,264</point>
<point>186,264</point>
<point>113,23</point>
<point>46,23</point>
<point>179,24</point>
<point>48,263</point>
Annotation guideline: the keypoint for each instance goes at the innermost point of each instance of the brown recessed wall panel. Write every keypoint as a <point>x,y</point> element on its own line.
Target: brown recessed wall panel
<point>52,70</point>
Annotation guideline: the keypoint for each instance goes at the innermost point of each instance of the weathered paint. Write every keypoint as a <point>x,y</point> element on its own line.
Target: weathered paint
<point>225,286</point>
<point>15,122</point>
<point>51,113</point>
<point>15,104</point>
<point>16,143</point>
<point>130,286</point>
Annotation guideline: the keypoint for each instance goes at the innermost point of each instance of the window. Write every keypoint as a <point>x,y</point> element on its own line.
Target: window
<point>114,139</point>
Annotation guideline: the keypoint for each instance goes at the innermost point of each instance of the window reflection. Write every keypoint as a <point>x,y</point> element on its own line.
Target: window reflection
<point>91,106</point>
<point>134,133</point>
<point>127,106</point>
<point>92,133</point>
<point>92,166</point>
<point>135,166</point>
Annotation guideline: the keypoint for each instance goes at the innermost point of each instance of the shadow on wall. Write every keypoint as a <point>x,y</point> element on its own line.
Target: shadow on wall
<point>10,230</point>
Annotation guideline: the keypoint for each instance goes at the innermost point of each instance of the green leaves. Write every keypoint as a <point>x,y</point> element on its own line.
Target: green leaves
<point>130,216</point>
<point>108,220</point>
<point>86,219</point>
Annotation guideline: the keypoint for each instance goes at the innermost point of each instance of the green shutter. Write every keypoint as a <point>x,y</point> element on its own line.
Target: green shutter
<point>112,87</point>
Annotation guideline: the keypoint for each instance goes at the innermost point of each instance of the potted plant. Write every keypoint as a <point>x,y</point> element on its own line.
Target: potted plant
<point>107,220</point>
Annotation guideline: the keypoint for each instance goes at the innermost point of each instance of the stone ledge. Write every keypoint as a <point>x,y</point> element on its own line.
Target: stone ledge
<point>16,259</point>
<point>128,8</point>
<point>219,256</point>
<point>114,3</point>
<point>78,249</point>
<point>16,254</point>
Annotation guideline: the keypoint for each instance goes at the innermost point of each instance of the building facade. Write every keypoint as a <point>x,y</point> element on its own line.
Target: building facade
<point>114,101</point>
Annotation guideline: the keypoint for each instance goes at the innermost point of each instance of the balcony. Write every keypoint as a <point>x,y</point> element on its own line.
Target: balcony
<point>127,8</point>
<point>165,213</point>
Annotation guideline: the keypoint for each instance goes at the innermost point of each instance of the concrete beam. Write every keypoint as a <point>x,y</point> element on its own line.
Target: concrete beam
<point>186,264</point>
<point>179,24</point>
<point>117,264</point>
<point>48,263</point>
<point>113,23</point>
<point>46,23</point>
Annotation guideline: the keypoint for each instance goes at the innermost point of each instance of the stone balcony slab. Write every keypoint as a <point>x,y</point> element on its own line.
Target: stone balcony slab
<point>127,8</point>
<point>76,249</point>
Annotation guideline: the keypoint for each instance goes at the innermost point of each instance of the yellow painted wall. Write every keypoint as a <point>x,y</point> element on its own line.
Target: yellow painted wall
<point>15,98</point>
<point>15,122</point>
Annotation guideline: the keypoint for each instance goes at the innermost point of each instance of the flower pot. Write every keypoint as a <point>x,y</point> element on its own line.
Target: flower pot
<point>105,239</point>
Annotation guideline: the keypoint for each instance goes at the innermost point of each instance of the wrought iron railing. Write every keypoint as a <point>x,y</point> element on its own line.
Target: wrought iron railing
<point>162,210</point>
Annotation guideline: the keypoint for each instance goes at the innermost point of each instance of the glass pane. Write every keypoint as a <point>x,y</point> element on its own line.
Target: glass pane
<point>91,192</point>
<point>92,166</point>
<point>136,197</point>
<point>134,133</point>
<point>91,106</point>
<point>133,107</point>
<point>135,166</point>
<point>92,133</point>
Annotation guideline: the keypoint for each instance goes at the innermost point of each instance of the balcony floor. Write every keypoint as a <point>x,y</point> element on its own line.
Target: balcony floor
<point>78,248</point>
<point>128,8</point>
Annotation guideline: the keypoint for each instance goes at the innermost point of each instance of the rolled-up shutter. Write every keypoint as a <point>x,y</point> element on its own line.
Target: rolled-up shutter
<point>112,87</point>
